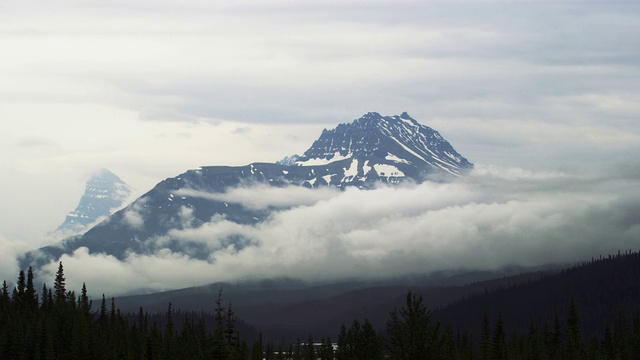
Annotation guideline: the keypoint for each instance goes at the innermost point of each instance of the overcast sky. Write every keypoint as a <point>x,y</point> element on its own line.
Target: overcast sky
<point>149,89</point>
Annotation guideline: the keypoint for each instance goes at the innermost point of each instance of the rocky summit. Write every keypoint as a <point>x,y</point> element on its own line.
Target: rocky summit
<point>104,193</point>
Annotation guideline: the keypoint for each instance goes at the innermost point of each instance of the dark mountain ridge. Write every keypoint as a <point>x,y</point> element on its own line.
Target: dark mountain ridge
<point>601,288</point>
<point>288,309</point>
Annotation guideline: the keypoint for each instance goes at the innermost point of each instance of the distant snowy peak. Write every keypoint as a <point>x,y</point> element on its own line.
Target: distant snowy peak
<point>385,142</point>
<point>104,193</point>
<point>289,160</point>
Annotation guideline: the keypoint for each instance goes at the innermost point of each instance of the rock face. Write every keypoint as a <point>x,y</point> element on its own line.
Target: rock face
<point>104,193</point>
<point>383,148</point>
<point>371,150</point>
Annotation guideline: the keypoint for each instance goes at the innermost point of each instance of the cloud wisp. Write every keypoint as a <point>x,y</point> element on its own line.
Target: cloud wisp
<point>493,218</point>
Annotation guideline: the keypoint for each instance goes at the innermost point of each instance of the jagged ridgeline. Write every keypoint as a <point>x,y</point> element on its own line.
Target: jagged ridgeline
<point>365,153</point>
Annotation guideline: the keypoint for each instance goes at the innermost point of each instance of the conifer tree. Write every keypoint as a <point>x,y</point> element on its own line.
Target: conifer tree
<point>309,351</point>
<point>256,350</point>
<point>620,335</point>
<point>169,335</point>
<point>30,295</point>
<point>499,349</point>
<point>485,339</point>
<point>18,291</point>
<point>412,336</point>
<point>219,345</point>
<point>84,304</point>
<point>59,285</point>
<point>230,333</point>
<point>555,340</point>
<point>574,341</point>
<point>5,298</point>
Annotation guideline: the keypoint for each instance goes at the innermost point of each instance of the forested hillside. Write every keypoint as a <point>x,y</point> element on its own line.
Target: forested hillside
<point>601,288</point>
<point>590,311</point>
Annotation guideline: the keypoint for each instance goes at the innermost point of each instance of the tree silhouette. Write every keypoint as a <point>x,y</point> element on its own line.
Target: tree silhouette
<point>412,336</point>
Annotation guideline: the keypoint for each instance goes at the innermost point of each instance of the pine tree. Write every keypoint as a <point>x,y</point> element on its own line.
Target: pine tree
<point>309,351</point>
<point>84,304</point>
<point>18,292</point>
<point>30,294</point>
<point>574,342</point>
<point>635,335</point>
<point>169,335</point>
<point>5,298</point>
<point>499,348</point>
<point>448,349</point>
<point>230,333</point>
<point>412,336</point>
<point>256,350</point>
<point>373,343</point>
<point>59,285</point>
<point>620,335</point>
<point>326,350</point>
<point>342,353</point>
<point>555,340</point>
<point>485,339</point>
<point>608,347</point>
<point>219,347</point>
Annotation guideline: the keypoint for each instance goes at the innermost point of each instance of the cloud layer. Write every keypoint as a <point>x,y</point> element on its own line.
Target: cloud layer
<point>495,217</point>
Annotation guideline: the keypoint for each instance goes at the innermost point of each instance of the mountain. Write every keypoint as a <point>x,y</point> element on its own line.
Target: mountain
<point>385,147</point>
<point>365,153</point>
<point>104,193</point>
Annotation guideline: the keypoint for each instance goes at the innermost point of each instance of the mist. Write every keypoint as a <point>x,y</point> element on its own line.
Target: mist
<point>493,218</point>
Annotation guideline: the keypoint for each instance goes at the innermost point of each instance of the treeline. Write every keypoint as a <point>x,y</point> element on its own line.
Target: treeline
<point>58,324</point>
<point>600,288</point>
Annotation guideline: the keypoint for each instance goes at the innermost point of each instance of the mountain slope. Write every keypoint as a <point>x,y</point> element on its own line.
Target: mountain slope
<point>371,150</point>
<point>600,289</point>
<point>281,309</point>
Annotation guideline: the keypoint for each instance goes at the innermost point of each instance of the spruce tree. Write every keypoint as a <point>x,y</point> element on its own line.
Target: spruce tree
<point>309,351</point>
<point>59,285</point>
<point>256,350</point>
<point>412,336</point>
<point>485,339</point>
<point>30,294</point>
<point>499,348</point>
<point>573,349</point>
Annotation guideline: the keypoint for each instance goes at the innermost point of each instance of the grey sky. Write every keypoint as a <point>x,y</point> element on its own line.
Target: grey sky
<point>149,89</point>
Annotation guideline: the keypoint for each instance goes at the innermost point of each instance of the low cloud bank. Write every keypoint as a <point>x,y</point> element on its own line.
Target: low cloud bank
<point>264,196</point>
<point>9,251</point>
<point>493,218</point>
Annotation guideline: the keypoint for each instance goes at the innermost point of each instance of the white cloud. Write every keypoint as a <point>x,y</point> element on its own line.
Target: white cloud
<point>264,196</point>
<point>494,218</point>
<point>9,250</point>
<point>135,214</point>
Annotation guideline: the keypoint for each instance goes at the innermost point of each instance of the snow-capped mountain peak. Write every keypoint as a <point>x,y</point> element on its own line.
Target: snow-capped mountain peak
<point>104,193</point>
<point>398,143</point>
